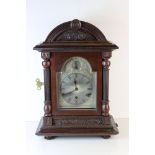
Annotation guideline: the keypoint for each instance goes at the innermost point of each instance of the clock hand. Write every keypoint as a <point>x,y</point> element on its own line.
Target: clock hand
<point>75,82</point>
<point>76,88</point>
<point>67,93</point>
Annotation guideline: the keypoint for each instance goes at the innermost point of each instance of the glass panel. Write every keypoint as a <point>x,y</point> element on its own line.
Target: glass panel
<point>76,85</point>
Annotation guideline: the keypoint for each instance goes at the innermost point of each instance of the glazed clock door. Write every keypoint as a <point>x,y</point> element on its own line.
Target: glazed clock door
<point>77,84</point>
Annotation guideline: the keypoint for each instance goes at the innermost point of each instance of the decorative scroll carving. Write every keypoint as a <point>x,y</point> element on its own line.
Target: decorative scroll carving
<point>45,55</point>
<point>47,122</point>
<point>76,122</point>
<point>75,35</point>
<point>75,31</point>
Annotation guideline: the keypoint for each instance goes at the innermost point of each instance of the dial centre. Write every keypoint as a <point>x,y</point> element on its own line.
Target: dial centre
<point>75,88</point>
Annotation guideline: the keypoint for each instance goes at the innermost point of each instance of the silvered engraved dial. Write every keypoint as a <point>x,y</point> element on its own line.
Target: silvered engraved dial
<point>76,88</point>
<point>76,85</point>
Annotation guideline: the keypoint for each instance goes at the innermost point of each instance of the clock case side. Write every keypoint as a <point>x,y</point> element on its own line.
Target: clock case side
<point>76,36</point>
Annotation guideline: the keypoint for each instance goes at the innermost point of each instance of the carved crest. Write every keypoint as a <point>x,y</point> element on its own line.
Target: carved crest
<point>75,31</point>
<point>75,24</point>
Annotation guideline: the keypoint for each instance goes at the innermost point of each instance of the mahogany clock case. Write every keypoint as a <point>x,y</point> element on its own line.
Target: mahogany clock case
<point>76,39</point>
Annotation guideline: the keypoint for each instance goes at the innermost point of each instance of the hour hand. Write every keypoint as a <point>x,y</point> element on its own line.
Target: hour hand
<point>68,93</point>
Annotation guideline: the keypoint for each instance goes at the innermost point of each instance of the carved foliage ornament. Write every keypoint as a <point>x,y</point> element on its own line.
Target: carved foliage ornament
<point>75,35</point>
<point>75,31</point>
<point>97,122</point>
<point>76,123</point>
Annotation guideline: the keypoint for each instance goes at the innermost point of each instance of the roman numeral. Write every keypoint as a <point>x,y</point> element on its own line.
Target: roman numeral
<point>88,95</point>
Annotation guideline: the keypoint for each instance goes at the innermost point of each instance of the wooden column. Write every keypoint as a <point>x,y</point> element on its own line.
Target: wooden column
<point>47,85</point>
<point>105,83</point>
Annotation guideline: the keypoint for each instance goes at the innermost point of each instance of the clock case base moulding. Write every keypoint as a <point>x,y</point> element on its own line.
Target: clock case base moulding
<point>77,126</point>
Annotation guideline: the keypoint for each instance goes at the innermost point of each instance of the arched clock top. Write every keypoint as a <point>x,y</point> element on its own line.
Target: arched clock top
<point>75,31</point>
<point>75,35</point>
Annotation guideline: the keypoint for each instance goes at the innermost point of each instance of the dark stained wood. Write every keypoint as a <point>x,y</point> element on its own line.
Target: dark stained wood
<point>105,82</point>
<point>106,136</point>
<point>76,38</point>
<point>85,36</point>
<point>47,83</point>
<point>75,30</point>
<point>47,127</point>
<point>59,46</point>
<point>105,74</point>
<point>50,137</point>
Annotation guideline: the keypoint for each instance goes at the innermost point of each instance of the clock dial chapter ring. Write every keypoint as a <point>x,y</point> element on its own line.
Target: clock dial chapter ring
<point>76,88</point>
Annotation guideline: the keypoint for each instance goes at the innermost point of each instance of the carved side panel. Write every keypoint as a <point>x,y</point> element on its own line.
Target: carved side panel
<point>76,122</point>
<point>47,122</point>
<point>79,123</point>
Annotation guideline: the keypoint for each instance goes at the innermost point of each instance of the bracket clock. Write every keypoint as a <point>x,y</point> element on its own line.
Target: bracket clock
<point>76,82</point>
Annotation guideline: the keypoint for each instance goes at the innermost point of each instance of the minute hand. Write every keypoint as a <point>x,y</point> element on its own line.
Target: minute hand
<point>75,82</point>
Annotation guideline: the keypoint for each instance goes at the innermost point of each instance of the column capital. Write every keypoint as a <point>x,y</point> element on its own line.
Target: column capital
<point>106,55</point>
<point>45,55</point>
